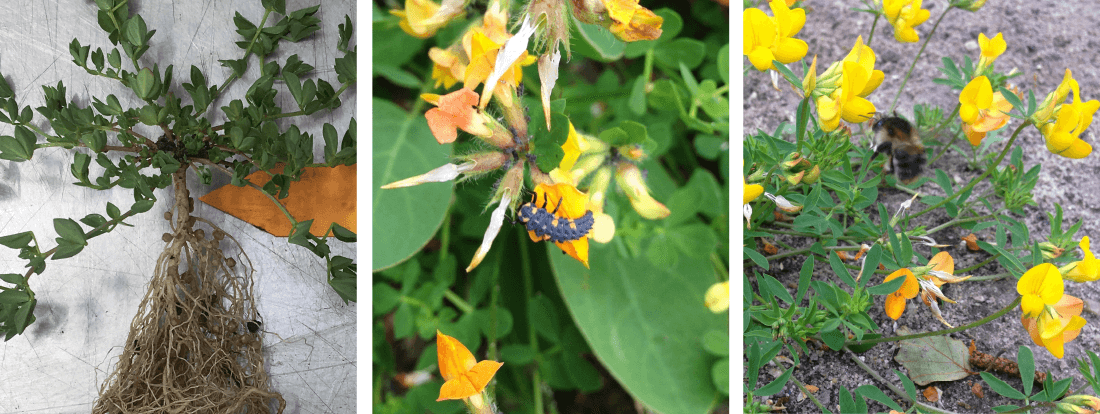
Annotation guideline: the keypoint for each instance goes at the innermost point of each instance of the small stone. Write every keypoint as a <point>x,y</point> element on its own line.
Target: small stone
<point>971,45</point>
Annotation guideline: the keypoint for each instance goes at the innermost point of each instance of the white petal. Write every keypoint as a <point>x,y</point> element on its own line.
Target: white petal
<point>508,54</point>
<point>548,74</point>
<point>447,172</point>
<point>496,220</point>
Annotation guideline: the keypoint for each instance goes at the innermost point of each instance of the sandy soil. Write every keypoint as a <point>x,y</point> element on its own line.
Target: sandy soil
<point>1044,39</point>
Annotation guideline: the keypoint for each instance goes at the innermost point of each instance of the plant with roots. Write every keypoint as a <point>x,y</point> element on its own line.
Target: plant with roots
<point>194,344</point>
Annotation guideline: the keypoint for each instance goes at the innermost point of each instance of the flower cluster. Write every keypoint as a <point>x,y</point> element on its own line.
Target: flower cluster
<point>1062,123</point>
<point>840,92</point>
<point>771,38</point>
<point>488,54</point>
<point>904,15</point>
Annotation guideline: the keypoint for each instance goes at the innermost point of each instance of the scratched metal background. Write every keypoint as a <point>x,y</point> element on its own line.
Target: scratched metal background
<point>86,303</point>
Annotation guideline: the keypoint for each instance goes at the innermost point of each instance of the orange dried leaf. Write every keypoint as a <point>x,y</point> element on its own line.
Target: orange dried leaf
<point>324,194</point>
<point>976,389</point>
<point>932,394</point>
<point>971,242</point>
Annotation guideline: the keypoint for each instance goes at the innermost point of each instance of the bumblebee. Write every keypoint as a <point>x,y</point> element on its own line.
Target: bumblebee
<point>904,150</point>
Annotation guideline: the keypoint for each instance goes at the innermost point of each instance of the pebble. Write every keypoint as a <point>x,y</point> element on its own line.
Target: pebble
<point>971,45</point>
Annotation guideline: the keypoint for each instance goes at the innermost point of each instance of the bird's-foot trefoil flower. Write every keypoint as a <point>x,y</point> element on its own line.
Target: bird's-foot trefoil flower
<point>942,271</point>
<point>768,39</point>
<point>627,20</point>
<point>1040,286</point>
<point>1056,324</point>
<point>991,49</point>
<point>904,15</point>
<point>630,180</point>
<point>1044,114</point>
<point>895,302</point>
<point>1085,270</point>
<point>512,52</point>
<point>465,378</point>
<point>566,202</point>
<point>981,110</point>
<point>842,90</point>
<point>717,298</point>
<point>1071,120</point>
<point>455,111</point>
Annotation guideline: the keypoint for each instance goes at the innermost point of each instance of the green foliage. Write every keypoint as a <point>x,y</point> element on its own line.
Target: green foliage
<point>250,139</point>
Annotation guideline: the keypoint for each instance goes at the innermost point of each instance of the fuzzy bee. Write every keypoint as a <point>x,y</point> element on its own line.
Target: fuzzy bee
<point>904,150</point>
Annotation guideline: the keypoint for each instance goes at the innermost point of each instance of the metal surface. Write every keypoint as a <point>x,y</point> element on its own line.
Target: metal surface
<point>86,303</point>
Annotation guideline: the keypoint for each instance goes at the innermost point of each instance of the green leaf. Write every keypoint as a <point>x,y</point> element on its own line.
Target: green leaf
<point>12,297</point>
<point>19,148</point>
<point>66,249</point>
<point>776,385</point>
<point>887,288</point>
<point>636,345</point>
<point>142,206</point>
<point>636,101</point>
<point>406,218</point>
<point>720,374</point>
<point>1001,387</point>
<point>690,52</point>
<point>17,240</point>
<point>70,231</point>
<point>872,392</point>
<point>627,133</point>
<point>143,84</point>
<point>840,270</point>
<point>135,30</point>
<point>723,61</point>
<point>1026,362</point>
<point>596,42</point>
<point>834,338</point>
<point>15,279</point>
<point>910,388</point>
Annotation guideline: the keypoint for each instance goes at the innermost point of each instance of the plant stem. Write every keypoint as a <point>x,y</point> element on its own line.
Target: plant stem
<point>937,131</point>
<point>892,387</point>
<point>532,337</point>
<point>979,322</point>
<point>247,53</point>
<point>1001,157</point>
<point>917,57</point>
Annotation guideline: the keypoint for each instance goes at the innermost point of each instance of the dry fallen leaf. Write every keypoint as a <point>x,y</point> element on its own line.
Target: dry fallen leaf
<point>932,394</point>
<point>971,242</point>
<point>934,358</point>
<point>976,389</point>
<point>811,388</point>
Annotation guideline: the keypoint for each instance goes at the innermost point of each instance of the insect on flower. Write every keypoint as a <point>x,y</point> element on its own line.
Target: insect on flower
<point>549,226</point>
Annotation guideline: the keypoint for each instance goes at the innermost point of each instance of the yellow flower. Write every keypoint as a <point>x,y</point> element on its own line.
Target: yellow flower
<point>752,191</point>
<point>982,110</point>
<point>991,49</point>
<point>1046,110</point>
<point>1087,269</point>
<point>572,149</point>
<point>416,18</point>
<point>630,180</point>
<point>895,302</point>
<point>1040,286</point>
<point>464,376</point>
<point>631,22</point>
<point>770,38</point>
<point>904,15</point>
<point>717,298</point>
<point>1056,324</point>
<point>845,85</point>
<point>1063,136</point>
<point>449,65</point>
<point>572,206</point>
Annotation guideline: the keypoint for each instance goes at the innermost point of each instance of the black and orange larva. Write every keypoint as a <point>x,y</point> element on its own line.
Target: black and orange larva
<point>549,226</point>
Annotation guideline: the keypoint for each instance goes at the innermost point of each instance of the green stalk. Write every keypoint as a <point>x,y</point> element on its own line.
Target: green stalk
<point>1001,157</point>
<point>974,324</point>
<point>529,292</point>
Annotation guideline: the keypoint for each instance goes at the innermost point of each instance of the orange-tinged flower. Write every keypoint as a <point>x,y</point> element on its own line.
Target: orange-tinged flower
<point>572,206</point>
<point>1087,269</point>
<point>1056,325</point>
<point>942,271</point>
<point>1040,286</point>
<point>631,22</point>
<point>904,15</point>
<point>895,302</point>
<point>455,111</point>
<point>981,110</point>
<point>464,376</point>
<point>770,38</point>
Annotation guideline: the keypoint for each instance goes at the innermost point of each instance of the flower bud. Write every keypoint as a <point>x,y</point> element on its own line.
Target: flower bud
<point>630,180</point>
